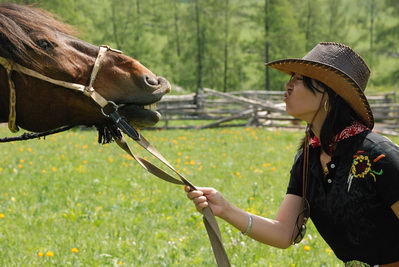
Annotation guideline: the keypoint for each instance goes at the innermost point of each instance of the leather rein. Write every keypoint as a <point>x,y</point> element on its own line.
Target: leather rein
<point>110,109</point>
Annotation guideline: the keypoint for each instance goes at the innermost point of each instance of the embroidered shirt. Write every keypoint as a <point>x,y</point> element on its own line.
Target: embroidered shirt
<point>351,206</point>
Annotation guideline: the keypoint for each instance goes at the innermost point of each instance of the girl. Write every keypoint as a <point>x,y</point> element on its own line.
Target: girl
<point>345,177</point>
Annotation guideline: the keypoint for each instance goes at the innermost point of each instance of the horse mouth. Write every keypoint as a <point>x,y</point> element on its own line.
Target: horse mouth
<point>140,115</point>
<point>141,111</point>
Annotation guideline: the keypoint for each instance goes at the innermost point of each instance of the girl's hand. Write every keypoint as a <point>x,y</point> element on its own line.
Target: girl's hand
<point>207,197</point>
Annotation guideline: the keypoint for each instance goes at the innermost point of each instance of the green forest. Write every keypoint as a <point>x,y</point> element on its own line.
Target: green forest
<point>223,44</point>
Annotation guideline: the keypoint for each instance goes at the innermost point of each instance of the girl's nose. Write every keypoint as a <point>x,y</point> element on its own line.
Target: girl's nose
<point>288,86</point>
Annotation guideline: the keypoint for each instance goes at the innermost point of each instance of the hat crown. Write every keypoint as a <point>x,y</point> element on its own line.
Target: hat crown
<point>343,59</point>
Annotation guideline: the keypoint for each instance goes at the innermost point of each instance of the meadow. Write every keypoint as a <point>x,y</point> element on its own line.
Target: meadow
<point>68,201</point>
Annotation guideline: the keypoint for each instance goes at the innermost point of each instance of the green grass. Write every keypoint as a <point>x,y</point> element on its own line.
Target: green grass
<point>67,192</point>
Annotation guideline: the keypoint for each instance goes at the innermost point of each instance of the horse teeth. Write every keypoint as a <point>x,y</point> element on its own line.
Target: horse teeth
<point>152,107</point>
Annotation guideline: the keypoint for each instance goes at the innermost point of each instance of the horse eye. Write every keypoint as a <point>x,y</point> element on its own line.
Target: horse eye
<point>45,45</point>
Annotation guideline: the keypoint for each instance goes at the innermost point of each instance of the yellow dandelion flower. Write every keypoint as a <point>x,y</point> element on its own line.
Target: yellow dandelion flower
<point>84,162</point>
<point>30,149</point>
<point>74,250</point>
<point>2,215</point>
<point>21,161</point>
<point>307,248</point>
<point>54,169</point>
<point>49,254</point>
<point>44,171</point>
<point>238,174</point>
<point>20,166</point>
<point>40,254</point>
<point>120,263</point>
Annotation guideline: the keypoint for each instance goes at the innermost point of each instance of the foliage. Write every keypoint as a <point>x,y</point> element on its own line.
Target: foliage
<point>67,201</point>
<point>223,44</point>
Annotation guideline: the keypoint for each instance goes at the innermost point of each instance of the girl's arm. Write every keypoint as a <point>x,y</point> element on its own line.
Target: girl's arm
<point>277,232</point>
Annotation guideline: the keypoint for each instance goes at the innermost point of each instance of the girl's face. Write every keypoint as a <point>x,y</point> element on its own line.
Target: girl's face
<point>300,101</point>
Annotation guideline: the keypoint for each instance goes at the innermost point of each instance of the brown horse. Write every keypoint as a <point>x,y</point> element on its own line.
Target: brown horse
<point>36,40</point>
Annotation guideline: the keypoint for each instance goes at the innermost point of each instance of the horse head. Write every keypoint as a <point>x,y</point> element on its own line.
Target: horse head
<point>36,40</point>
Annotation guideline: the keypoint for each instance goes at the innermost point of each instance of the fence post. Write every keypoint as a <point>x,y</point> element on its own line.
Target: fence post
<point>166,116</point>
<point>200,101</point>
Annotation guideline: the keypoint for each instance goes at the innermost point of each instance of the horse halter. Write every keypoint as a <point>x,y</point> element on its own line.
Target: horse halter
<point>88,90</point>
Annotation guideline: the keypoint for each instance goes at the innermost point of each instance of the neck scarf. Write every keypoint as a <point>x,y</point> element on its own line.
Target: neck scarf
<point>353,129</point>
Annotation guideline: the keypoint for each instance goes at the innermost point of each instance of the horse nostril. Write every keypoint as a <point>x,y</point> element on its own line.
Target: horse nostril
<point>151,80</point>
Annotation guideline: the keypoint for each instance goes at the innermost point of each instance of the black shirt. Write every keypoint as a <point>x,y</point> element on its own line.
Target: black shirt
<point>351,206</point>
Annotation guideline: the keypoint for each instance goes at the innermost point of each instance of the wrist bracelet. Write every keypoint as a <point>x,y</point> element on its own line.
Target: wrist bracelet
<point>250,222</point>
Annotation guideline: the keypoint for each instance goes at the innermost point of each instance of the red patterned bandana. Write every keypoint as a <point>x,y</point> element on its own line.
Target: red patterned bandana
<point>354,129</point>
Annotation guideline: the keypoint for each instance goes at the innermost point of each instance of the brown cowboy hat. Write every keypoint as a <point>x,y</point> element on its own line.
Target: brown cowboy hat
<point>340,68</point>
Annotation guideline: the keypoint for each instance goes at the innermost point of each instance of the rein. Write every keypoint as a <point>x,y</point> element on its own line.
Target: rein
<point>110,109</point>
<point>28,136</point>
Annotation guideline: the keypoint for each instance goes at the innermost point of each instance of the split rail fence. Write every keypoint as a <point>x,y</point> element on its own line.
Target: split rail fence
<point>209,108</point>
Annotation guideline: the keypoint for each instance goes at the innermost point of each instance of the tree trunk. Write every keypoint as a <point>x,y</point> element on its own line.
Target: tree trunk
<point>371,29</point>
<point>226,44</point>
<point>267,79</point>
<point>199,46</point>
<point>177,35</point>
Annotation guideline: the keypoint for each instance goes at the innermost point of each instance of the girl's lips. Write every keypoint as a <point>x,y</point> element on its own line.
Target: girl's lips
<point>286,95</point>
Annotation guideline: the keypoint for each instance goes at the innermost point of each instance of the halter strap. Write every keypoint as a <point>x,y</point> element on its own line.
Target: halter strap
<point>12,115</point>
<point>87,90</point>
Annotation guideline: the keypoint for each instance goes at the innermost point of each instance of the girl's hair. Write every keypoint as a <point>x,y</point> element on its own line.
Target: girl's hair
<point>340,114</point>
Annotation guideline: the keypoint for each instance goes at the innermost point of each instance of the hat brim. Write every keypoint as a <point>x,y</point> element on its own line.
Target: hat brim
<point>337,80</point>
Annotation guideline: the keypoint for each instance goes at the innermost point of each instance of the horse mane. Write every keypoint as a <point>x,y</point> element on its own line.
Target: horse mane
<point>22,27</point>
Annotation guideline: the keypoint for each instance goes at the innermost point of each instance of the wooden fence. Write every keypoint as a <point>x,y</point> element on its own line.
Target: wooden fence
<point>210,108</point>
